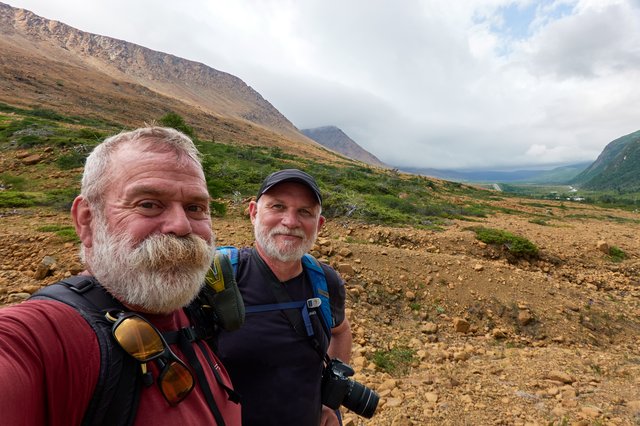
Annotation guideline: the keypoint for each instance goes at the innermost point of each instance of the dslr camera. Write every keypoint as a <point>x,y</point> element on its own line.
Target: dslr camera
<point>338,389</point>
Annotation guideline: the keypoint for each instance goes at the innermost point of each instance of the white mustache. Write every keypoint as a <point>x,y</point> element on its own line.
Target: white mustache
<point>286,231</point>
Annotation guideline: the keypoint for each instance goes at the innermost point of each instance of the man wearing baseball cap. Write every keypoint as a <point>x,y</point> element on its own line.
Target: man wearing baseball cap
<point>276,359</point>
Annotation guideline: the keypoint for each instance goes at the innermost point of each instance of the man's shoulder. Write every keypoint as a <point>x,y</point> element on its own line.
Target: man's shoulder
<point>44,315</point>
<point>36,326</point>
<point>40,310</point>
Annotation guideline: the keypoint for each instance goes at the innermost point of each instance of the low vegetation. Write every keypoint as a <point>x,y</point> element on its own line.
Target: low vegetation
<point>616,254</point>
<point>516,246</point>
<point>394,361</point>
<point>66,233</point>
<point>235,172</point>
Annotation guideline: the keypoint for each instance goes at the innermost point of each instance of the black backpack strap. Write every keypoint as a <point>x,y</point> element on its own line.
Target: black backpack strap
<point>117,393</point>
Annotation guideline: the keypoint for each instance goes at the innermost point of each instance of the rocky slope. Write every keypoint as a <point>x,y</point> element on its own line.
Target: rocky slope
<point>554,341</point>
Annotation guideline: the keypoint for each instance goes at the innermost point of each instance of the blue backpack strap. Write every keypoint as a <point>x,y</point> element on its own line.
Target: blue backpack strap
<point>232,253</point>
<point>319,282</point>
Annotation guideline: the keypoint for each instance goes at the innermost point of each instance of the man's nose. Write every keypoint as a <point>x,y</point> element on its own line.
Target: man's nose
<point>290,219</point>
<point>176,222</point>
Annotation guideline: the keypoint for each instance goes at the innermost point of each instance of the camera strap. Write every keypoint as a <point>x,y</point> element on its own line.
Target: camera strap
<point>295,316</point>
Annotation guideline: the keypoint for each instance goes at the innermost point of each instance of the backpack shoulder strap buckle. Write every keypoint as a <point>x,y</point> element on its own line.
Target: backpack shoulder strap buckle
<point>79,284</point>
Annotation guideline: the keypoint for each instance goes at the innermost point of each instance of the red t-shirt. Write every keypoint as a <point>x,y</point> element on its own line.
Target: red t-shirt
<point>49,364</point>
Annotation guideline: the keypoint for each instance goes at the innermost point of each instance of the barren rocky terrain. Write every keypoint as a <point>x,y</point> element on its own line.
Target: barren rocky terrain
<point>487,340</point>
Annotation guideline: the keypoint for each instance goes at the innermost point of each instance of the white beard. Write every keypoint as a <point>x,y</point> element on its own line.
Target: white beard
<point>290,250</point>
<point>159,275</point>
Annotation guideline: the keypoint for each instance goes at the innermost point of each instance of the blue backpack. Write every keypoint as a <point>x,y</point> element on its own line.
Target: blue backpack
<point>318,281</point>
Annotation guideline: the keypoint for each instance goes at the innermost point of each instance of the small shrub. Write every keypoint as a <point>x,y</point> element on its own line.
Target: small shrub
<point>17,183</point>
<point>394,361</point>
<point>517,246</point>
<point>175,121</point>
<point>616,254</point>
<point>91,134</point>
<point>46,113</point>
<point>72,160</point>
<point>60,199</point>
<point>218,209</point>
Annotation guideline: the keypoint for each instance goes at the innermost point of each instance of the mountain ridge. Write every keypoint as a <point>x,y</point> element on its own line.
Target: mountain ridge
<point>616,168</point>
<point>54,65</point>
<point>337,140</point>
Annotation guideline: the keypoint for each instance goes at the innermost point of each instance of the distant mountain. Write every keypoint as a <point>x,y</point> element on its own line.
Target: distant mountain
<point>48,64</point>
<point>336,140</point>
<point>558,175</point>
<point>616,168</point>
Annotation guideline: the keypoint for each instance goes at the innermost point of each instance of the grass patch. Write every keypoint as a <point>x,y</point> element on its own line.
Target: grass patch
<point>18,199</point>
<point>65,232</point>
<point>394,361</point>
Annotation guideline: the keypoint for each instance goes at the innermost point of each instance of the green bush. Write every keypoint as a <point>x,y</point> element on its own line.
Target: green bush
<point>517,246</point>
<point>60,199</point>
<point>175,121</point>
<point>17,183</point>
<point>217,208</point>
<point>46,113</point>
<point>90,134</point>
<point>72,160</point>
<point>616,254</point>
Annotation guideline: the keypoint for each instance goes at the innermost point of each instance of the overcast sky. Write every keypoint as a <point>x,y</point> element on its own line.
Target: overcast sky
<point>434,83</point>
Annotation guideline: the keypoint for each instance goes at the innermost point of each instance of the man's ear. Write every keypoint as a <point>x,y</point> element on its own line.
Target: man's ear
<point>253,209</point>
<point>321,220</point>
<point>82,220</point>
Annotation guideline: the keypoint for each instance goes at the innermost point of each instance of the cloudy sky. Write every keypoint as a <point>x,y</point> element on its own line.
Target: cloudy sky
<point>466,84</point>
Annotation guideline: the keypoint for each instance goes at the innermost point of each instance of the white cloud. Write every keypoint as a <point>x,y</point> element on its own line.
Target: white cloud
<point>425,83</point>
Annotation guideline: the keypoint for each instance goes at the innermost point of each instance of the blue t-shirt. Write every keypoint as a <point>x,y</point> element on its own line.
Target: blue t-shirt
<point>275,369</point>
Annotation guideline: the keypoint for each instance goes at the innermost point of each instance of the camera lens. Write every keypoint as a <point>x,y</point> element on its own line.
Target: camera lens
<point>361,400</point>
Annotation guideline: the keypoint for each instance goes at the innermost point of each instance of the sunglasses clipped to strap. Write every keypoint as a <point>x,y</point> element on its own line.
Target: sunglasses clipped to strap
<point>140,339</point>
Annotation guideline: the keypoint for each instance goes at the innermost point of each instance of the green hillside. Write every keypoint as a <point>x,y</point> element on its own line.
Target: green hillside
<point>616,169</point>
<point>42,154</point>
<point>558,175</point>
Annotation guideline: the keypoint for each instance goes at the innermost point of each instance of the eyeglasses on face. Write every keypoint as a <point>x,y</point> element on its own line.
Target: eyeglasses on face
<point>140,339</point>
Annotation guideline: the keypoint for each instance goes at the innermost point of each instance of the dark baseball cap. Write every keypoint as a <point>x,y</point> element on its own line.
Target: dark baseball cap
<point>290,175</point>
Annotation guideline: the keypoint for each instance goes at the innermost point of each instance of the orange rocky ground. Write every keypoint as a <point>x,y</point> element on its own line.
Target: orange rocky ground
<point>554,341</point>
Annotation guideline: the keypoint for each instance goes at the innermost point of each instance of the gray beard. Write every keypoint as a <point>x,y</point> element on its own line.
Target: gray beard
<point>290,251</point>
<point>159,275</point>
